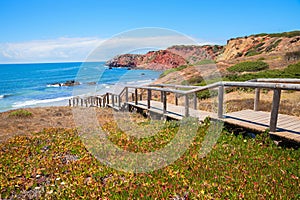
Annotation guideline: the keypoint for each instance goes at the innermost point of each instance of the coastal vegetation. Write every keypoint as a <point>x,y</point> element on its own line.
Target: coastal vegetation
<point>284,34</point>
<point>54,163</point>
<point>168,71</point>
<point>248,66</point>
<point>20,113</point>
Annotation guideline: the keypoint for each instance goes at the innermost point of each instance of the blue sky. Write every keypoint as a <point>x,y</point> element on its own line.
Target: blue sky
<point>80,25</point>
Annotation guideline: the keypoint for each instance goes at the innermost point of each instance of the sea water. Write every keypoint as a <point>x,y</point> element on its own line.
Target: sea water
<point>33,85</point>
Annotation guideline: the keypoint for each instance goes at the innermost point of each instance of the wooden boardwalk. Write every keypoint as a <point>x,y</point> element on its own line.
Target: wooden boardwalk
<point>288,127</point>
<point>283,126</point>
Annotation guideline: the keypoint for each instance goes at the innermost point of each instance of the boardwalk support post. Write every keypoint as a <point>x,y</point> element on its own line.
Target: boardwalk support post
<point>220,101</point>
<point>148,98</point>
<point>274,111</point>
<point>186,106</point>
<point>256,99</point>
<point>70,102</point>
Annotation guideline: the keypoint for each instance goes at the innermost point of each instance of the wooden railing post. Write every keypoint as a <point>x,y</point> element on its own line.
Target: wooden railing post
<point>220,101</point>
<point>113,100</point>
<point>119,102</point>
<point>141,96</point>
<point>195,101</point>
<point>148,98</point>
<point>164,102</point>
<point>256,99</point>
<point>126,94</point>
<point>107,98</point>
<point>275,108</point>
<point>70,102</point>
<point>161,96</point>
<point>136,96</point>
<point>176,97</point>
<point>186,106</point>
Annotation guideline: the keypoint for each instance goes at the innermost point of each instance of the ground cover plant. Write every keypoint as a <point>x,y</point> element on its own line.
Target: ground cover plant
<point>54,163</point>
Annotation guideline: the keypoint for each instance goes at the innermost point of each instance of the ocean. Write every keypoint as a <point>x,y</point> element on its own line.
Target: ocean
<point>35,85</point>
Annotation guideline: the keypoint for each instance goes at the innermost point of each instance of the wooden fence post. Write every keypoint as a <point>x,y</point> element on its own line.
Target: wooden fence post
<point>161,96</point>
<point>136,96</point>
<point>220,101</point>
<point>256,99</point>
<point>275,108</point>
<point>70,102</point>
<point>107,98</point>
<point>141,95</point>
<point>113,100</point>
<point>195,101</point>
<point>148,98</point>
<point>176,97</point>
<point>164,102</point>
<point>119,102</point>
<point>186,106</point>
<point>126,94</point>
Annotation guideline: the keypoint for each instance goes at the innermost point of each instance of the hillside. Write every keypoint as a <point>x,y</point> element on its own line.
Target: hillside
<point>277,50</point>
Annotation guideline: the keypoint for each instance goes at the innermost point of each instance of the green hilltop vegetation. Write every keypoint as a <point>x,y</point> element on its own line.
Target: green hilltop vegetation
<point>283,34</point>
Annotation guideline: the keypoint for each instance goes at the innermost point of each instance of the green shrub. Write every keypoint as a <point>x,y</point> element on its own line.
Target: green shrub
<point>248,66</point>
<point>293,69</point>
<point>20,113</point>
<point>168,71</point>
<point>252,53</point>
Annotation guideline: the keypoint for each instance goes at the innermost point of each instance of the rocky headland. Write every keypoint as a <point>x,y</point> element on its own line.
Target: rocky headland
<point>277,50</point>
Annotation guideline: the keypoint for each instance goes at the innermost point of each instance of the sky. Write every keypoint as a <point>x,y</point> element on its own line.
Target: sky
<point>69,30</point>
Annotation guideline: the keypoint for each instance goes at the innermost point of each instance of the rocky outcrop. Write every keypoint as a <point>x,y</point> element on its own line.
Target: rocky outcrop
<point>125,60</point>
<point>257,45</point>
<point>194,54</point>
<point>67,83</point>
<point>156,60</point>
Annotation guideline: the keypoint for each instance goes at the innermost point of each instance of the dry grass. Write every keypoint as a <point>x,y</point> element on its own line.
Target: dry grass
<point>54,117</point>
<point>240,100</point>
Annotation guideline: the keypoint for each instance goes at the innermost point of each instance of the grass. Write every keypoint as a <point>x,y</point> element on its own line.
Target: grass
<point>20,113</point>
<point>54,164</point>
<point>168,71</point>
<point>248,66</point>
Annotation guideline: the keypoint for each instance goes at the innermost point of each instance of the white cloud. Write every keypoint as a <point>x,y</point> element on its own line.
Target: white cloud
<point>56,50</point>
<point>91,49</point>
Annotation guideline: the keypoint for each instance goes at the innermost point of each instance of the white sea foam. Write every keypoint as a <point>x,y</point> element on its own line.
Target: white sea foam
<point>53,85</point>
<point>2,96</point>
<point>36,102</point>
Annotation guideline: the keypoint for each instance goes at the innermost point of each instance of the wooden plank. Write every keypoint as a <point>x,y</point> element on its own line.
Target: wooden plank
<point>253,120</point>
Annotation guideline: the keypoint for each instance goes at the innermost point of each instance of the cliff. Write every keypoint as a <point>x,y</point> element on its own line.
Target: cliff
<point>278,50</point>
<point>157,60</point>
